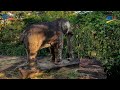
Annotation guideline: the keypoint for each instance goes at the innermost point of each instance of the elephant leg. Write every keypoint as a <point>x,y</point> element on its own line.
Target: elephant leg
<point>58,47</point>
<point>52,51</point>
<point>58,53</point>
<point>31,67</point>
<point>33,45</point>
<point>69,45</point>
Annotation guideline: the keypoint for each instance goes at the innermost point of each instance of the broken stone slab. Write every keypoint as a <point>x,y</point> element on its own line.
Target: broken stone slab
<point>9,62</point>
<point>92,68</point>
<point>46,64</point>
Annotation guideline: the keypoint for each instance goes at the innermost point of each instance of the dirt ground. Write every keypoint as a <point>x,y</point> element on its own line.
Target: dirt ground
<point>87,69</point>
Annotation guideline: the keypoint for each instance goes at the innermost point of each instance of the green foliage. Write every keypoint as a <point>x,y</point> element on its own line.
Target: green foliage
<point>98,39</point>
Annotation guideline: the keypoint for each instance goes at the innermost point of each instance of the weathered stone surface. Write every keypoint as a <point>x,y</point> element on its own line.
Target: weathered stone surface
<point>46,64</point>
<point>86,68</point>
<point>91,69</point>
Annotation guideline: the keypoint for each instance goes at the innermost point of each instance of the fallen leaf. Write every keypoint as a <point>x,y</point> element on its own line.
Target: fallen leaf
<point>2,75</point>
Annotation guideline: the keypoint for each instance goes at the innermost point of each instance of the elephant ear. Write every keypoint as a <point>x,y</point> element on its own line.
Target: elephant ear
<point>64,25</point>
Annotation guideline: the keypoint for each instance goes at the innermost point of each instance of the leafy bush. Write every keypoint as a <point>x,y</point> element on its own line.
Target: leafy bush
<point>97,39</point>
